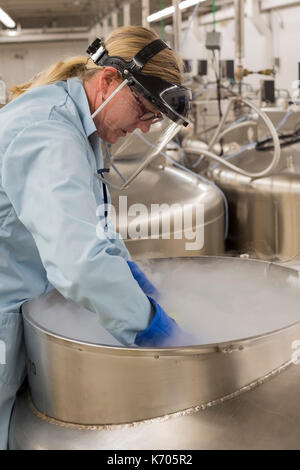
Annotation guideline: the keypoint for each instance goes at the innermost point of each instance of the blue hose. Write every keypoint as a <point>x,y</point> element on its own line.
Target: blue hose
<point>243,149</point>
<point>284,119</point>
<point>189,26</point>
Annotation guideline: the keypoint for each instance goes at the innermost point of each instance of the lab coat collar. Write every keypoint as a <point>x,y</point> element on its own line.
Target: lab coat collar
<point>77,93</point>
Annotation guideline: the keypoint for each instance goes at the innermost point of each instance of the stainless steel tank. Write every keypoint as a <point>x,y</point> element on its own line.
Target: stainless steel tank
<point>264,213</point>
<point>236,387</point>
<point>161,185</point>
<point>170,188</point>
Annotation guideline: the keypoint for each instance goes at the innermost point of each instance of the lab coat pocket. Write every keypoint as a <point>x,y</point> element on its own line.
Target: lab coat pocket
<point>12,351</point>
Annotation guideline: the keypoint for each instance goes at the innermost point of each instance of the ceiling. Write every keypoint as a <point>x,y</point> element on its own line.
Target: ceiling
<point>55,13</point>
<point>75,13</point>
<point>72,14</point>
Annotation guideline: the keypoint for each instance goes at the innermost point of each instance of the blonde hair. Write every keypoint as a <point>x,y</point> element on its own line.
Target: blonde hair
<point>124,42</point>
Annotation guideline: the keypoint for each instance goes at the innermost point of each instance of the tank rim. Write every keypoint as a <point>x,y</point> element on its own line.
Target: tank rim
<point>223,347</point>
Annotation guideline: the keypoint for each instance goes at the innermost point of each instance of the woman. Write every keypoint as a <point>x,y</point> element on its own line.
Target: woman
<point>49,153</point>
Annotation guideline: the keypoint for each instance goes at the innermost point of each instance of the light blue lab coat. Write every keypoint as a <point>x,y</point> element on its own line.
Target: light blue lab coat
<point>49,194</point>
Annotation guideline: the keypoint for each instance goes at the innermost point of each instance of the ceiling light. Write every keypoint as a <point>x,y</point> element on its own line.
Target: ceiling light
<point>170,10</point>
<point>189,3</point>
<point>161,14</point>
<point>6,20</point>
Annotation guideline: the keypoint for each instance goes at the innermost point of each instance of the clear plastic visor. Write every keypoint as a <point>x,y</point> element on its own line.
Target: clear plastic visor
<point>136,151</point>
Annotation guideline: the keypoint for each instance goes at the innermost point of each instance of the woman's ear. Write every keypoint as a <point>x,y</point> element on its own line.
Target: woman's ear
<point>106,79</point>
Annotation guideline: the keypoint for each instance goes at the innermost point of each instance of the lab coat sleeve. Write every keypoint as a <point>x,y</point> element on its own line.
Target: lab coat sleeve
<point>120,245</point>
<point>47,176</point>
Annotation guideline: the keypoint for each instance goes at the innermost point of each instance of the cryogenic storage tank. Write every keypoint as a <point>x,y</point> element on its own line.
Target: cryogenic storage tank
<point>264,213</point>
<point>172,190</point>
<point>235,387</point>
<point>152,214</point>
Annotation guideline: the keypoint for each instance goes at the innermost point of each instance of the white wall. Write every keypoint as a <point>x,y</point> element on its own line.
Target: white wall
<point>286,39</point>
<point>20,62</point>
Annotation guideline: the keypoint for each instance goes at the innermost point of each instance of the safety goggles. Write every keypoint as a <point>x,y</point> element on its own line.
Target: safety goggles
<point>145,114</point>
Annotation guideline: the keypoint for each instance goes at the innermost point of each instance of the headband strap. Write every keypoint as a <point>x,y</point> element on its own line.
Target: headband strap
<point>145,54</point>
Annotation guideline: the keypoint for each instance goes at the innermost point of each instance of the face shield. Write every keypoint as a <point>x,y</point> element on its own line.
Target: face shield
<point>170,104</point>
<point>131,154</point>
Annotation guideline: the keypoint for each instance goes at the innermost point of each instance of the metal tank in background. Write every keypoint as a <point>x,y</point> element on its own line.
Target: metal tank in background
<point>146,212</point>
<point>264,211</point>
<point>236,387</point>
<point>262,184</point>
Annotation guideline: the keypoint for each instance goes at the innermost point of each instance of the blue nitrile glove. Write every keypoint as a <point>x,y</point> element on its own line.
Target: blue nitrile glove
<point>163,331</point>
<point>147,287</point>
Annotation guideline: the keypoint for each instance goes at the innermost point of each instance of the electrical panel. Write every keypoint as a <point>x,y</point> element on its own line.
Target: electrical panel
<point>202,67</point>
<point>268,91</point>
<point>188,65</point>
<point>228,69</point>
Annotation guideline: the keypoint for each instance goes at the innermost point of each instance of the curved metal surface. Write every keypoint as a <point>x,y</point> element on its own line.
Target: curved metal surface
<point>163,185</point>
<point>86,383</point>
<point>264,213</point>
<point>267,417</point>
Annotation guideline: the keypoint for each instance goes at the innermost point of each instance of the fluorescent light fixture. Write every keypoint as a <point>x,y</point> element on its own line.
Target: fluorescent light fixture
<point>170,10</point>
<point>6,20</point>
<point>161,14</point>
<point>189,3</point>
